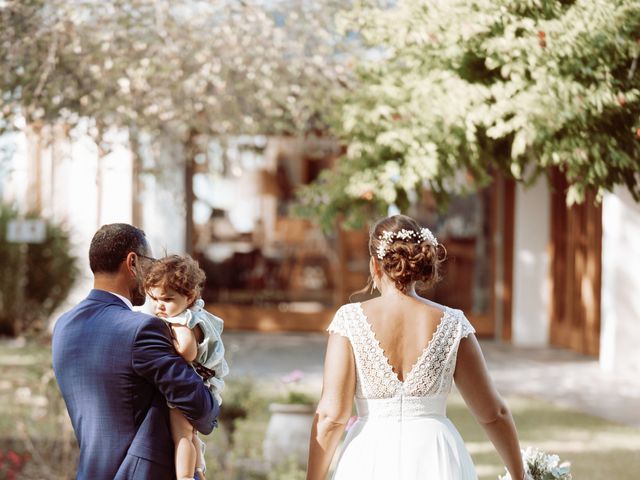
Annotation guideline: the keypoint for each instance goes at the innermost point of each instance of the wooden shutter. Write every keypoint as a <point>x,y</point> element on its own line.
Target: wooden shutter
<point>576,245</point>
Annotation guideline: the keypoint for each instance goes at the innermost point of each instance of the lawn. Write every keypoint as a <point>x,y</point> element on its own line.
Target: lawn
<point>34,425</point>
<point>596,448</point>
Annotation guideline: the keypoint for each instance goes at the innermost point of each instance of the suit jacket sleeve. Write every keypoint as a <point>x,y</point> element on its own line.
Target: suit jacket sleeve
<point>155,359</point>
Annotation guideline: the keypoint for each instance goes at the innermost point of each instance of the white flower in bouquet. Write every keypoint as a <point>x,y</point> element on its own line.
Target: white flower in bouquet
<point>542,466</point>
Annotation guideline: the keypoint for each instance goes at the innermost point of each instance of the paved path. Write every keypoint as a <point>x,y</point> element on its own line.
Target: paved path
<point>556,375</point>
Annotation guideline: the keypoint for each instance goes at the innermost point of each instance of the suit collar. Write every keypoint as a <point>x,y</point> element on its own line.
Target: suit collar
<point>106,297</point>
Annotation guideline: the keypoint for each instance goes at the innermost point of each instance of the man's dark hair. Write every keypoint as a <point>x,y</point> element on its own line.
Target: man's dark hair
<point>112,243</point>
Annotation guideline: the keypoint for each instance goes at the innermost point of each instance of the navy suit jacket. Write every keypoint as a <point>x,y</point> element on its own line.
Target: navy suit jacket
<point>117,369</point>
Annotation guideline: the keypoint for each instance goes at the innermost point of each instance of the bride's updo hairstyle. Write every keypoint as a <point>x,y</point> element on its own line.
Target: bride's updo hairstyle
<point>406,252</point>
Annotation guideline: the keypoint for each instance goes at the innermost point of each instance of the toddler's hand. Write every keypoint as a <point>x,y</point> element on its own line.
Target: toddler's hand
<point>203,371</point>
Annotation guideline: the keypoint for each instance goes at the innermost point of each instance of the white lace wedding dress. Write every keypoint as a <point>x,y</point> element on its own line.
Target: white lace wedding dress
<point>402,431</point>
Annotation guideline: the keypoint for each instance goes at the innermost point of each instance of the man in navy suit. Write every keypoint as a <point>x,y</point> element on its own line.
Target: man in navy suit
<point>117,369</point>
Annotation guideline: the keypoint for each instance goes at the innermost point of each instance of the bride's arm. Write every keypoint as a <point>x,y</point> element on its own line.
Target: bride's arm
<point>474,383</point>
<point>334,408</point>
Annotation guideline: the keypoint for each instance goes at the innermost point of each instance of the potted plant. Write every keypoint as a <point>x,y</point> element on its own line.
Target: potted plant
<point>289,426</point>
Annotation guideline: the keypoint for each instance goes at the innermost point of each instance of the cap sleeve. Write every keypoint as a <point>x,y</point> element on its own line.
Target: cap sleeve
<point>465,326</point>
<point>339,323</point>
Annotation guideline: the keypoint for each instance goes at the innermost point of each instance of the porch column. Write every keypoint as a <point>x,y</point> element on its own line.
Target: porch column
<point>530,314</point>
<point>620,311</point>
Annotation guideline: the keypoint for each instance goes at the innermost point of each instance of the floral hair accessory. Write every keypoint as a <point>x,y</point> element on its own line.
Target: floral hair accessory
<point>427,236</point>
<point>387,237</point>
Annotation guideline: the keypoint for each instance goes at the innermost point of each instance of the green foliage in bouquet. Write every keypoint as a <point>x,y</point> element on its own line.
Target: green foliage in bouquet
<point>452,91</point>
<point>49,271</point>
<point>543,466</point>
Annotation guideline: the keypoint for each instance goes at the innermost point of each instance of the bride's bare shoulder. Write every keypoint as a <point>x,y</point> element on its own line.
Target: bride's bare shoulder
<point>429,310</point>
<point>375,302</point>
<point>411,305</point>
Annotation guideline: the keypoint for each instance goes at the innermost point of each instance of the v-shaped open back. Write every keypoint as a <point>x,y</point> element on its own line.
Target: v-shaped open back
<point>432,372</point>
<point>383,352</point>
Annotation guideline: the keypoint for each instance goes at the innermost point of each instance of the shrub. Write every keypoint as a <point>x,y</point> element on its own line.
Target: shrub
<point>46,277</point>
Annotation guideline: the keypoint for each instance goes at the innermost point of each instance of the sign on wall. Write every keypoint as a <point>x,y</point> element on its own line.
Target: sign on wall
<point>26,231</point>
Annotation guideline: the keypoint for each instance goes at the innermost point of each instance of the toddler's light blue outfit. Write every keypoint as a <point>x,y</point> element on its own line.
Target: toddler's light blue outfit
<point>211,349</point>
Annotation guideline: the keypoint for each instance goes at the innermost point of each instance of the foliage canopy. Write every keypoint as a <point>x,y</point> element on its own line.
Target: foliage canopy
<point>454,90</point>
<point>169,67</point>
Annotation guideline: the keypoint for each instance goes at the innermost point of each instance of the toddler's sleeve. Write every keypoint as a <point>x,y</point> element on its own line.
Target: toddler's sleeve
<point>339,323</point>
<point>215,355</point>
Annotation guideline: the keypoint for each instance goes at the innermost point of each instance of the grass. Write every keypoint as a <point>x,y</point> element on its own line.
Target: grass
<point>33,420</point>
<point>597,449</point>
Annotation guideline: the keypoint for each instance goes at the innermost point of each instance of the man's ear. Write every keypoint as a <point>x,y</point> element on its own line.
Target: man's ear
<point>130,263</point>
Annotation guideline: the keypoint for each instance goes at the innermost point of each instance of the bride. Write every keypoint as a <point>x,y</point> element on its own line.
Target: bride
<point>397,355</point>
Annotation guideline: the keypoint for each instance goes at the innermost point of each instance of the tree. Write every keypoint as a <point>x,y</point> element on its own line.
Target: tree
<point>452,90</point>
<point>181,69</point>
<point>223,67</point>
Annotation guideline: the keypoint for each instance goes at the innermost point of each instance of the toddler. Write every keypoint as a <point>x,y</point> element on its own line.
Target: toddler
<point>174,284</point>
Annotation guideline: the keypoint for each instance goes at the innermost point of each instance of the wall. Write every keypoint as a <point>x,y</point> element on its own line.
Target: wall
<point>163,207</point>
<point>530,317</point>
<point>620,312</point>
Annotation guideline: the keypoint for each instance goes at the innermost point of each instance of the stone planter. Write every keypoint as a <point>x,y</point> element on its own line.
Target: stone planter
<point>288,433</point>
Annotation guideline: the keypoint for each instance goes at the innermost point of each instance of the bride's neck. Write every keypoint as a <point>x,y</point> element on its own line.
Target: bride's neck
<point>389,291</point>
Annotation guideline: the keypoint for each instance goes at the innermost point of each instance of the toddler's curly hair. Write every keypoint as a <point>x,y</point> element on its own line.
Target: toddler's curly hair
<point>177,272</point>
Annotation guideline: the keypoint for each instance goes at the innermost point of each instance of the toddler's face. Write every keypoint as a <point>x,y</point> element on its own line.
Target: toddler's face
<point>168,302</point>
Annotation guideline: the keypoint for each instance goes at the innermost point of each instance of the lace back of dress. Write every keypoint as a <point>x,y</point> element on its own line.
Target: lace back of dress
<point>432,374</point>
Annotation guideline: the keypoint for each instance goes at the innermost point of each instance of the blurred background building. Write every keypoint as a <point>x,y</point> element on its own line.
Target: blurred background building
<point>526,268</point>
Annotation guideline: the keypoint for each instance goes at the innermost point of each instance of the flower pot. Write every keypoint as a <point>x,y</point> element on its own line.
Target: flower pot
<point>288,433</point>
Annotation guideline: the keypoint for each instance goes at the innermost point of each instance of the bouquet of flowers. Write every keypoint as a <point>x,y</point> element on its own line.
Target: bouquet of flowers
<point>542,466</point>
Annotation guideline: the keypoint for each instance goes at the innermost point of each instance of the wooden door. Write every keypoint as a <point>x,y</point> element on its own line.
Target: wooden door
<point>478,273</point>
<point>352,268</point>
<point>576,245</point>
